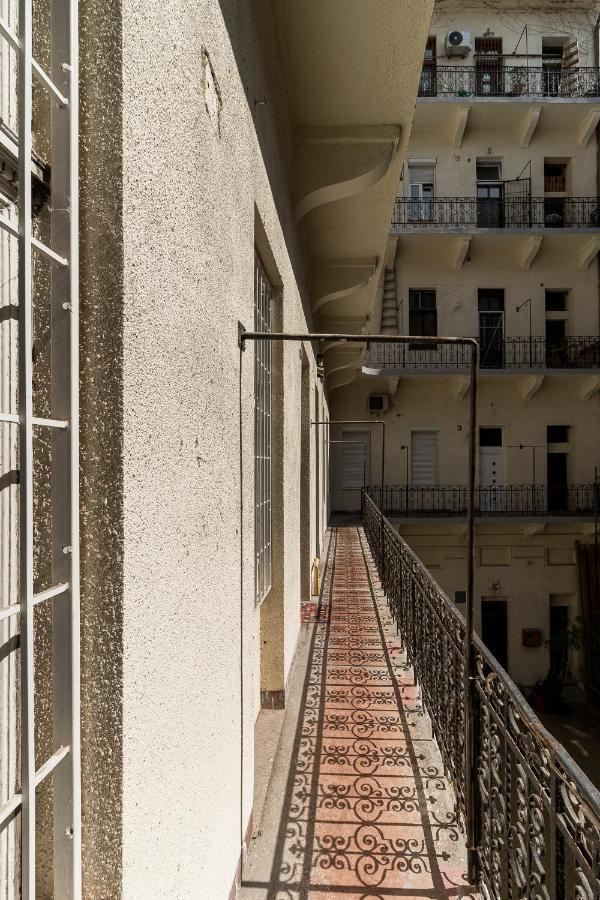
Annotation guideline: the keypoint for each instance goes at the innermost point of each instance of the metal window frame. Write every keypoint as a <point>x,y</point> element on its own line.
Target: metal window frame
<point>263,371</point>
<point>65,763</point>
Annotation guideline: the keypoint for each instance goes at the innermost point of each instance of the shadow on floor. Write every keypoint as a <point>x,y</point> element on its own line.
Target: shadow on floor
<point>358,807</point>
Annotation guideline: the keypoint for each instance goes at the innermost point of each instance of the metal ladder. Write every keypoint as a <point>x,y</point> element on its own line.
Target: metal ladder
<point>63,765</point>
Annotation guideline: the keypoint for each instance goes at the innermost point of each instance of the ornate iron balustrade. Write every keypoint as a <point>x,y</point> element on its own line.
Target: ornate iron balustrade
<point>501,353</point>
<point>507,212</point>
<point>490,500</point>
<point>510,81</point>
<point>537,816</point>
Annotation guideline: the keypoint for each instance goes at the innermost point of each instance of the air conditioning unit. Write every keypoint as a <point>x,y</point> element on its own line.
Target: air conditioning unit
<point>379,403</point>
<point>458,43</point>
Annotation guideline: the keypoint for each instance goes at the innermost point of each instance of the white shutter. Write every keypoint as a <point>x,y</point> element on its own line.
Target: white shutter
<point>353,477</point>
<point>424,457</point>
<point>355,460</point>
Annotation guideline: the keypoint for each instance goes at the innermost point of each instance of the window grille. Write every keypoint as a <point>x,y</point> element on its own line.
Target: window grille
<point>263,293</point>
<point>19,417</point>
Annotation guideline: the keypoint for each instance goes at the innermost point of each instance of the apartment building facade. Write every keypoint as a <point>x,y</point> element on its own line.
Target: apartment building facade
<point>237,169</point>
<point>495,235</point>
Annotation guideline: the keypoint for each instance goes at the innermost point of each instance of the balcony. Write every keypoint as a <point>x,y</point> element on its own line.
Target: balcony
<point>514,82</point>
<point>520,500</point>
<point>517,354</point>
<point>518,213</point>
<point>534,816</point>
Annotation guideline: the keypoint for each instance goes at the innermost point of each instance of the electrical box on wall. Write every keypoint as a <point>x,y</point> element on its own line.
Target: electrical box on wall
<point>379,403</point>
<point>532,637</point>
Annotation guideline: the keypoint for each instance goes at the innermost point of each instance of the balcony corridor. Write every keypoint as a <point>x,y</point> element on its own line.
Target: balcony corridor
<point>358,807</point>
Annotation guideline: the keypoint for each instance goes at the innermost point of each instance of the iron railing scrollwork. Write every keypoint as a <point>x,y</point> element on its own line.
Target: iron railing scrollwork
<point>510,81</point>
<point>520,211</point>
<point>490,499</point>
<point>537,815</point>
<point>500,353</point>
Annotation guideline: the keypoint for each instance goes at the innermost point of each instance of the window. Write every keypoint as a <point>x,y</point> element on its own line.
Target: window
<point>490,437</point>
<point>422,313</point>
<point>263,292</point>
<point>488,170</point>
<point>555,177</point>
<point>428,85</point>
<point>556,301</point>
<point>421,189</point>
<point>557,434</point>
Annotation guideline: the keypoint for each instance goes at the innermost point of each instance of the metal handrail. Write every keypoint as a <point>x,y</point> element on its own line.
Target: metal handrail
<point>510,81</point>
<point>537,816</point>
<point>500,353</point>
<point>490,500</point>
<point>510,211</point>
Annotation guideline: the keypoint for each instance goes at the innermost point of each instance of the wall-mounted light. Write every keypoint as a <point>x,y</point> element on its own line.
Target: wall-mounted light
<point>496,586</point>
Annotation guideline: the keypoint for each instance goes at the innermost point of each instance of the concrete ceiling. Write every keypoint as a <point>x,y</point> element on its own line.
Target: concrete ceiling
<point>353,70</point>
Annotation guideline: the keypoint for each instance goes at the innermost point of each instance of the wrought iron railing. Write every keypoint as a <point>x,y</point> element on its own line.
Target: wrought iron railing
<point>537,816</point>
<point>508,212</point>
<point>509,81</point>
<point>499,353</point>
<point>490,500</point>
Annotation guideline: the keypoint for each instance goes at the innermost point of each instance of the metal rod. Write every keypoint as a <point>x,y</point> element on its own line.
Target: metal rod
<point>469,656</point>
<point>362,422</point>
<point>47,82</point>
<point>9,35</point>
<point>25,293</point>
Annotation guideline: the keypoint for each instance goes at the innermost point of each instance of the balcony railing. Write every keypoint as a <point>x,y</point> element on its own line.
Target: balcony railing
<point>507,212</point>
<point>499,353</point>
<point>537,816</point>
<point>509,81</point>
<point>490,500</point>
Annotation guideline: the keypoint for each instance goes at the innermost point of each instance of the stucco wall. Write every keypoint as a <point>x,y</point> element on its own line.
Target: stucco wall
<point>168,260</point>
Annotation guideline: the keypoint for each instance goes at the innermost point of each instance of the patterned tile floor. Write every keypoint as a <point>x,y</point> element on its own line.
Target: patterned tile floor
<point>359,807</point>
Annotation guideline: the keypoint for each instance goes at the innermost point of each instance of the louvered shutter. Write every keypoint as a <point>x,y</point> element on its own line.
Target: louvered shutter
<point>424,456</point>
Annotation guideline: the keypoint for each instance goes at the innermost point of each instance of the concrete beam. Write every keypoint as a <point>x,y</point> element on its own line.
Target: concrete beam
<point>590,387</point>
<point>461,249</point>
<point>531,385</point>
<point>587,127</point>
<point>532,248</point>
<point>589,253</point>
<point>459,125</point>
<point>529,124</point>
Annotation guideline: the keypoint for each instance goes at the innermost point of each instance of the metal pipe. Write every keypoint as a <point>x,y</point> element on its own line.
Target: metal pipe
<point>362,422</point>
<point>469,655</point>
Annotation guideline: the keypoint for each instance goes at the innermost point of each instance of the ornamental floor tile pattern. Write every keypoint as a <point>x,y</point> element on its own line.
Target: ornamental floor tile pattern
<point>365,811</point>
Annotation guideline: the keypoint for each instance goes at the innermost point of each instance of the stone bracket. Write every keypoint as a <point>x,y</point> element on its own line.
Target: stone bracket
<point>459,126</point>
<point>529,125</point>
<point>339,162</point>
<point>462,385</point>
<point>340,278</point>
<point>589,253</point>
<point>531,385</point>
<point>533,528</point>
<point>461,250</point>
<point>590,387</point>
<point>587,127</point>
<point>532,248</point>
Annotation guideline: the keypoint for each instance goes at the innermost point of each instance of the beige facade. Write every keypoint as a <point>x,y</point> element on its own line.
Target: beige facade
<point>212,136</point>
<point>484,229</point>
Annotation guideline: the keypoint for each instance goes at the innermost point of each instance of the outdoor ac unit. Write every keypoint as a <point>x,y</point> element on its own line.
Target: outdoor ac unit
<point>458,43</point>
<point>379,403</point>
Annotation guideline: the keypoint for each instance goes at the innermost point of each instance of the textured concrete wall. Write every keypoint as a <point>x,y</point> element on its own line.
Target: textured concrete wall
<point>171,196</point>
